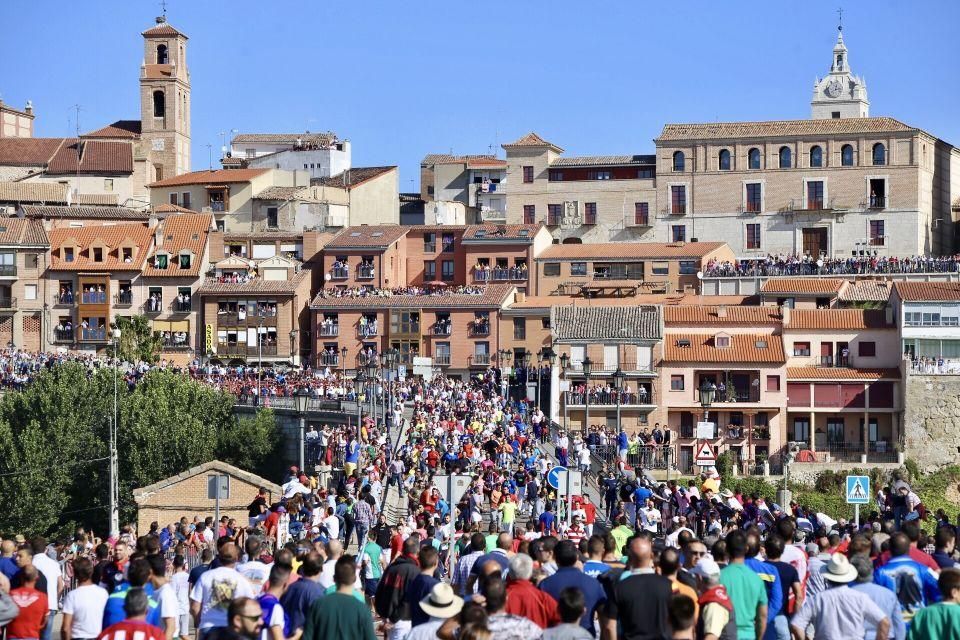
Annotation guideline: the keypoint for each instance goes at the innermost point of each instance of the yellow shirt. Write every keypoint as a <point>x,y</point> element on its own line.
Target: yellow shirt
<point>509,510</point>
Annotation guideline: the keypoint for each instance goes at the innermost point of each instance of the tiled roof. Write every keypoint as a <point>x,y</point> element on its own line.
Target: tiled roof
<point>162,28</point>
<point>210,286</point>
<point>33,192</point>
<point>841,373</point>
<point>352,177</point>
<point>688,315</point>
<point>603,161</point>
<point>182,232</point>
<point>97,199</point>
<point>808,286</point>
<point>623,323</point>
<point>120,129</point>
<point>367,237</point>
<point>28,151</point>
<point>214,465</point>
<point>493,297</point>
<point>167,208</point>
<point>472,161</point>
<point>22,232</point>
<point>217,176</point>
<point>777,128</point>
<point>500,232</point>
<point>281,236</point>
<point>531,140</point>
<point>300,194</point>
<point>866,291</point>
<point>305,138</point>
<point>607,250</point>
<point>112,236</point>
<point>838,319</point>
<point>743,348</point>
<point>85,213</point>
<point>96,156</point>
<point>928,291</point>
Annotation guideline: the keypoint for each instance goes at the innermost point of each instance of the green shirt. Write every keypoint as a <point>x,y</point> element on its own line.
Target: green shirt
<point>339,616</point>
<point>491,541</point>
<point>747,592</point>
<point>372,552</point>
<point>509,510</point>
<point>936,622</point>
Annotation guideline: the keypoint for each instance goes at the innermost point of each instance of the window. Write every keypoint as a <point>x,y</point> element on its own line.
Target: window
<point>554,214</point>
<point>186,199</point>
<point>678,161</point>
<point>98,254</point>
<point>786,158</point>
<point>867,349</point>
<point>846,155</point>
<point>773,383</point>
<point>599,175</point>
<point>753,158</point>
<point>877,238</point>
<point>688,267</point>
<point>722,342</point>
<point>641,213</point>
<point>68,254</point>
<point>429,271</point>
<point>555,175</point>
<point>589,213</point>
<point>835,115</point>
<point>551,269</point>
<point>646,173</point>
<point>545,322</point>
<point>660,269</point>
<point>578,268</point>
<point>272,217</point>
<point>879,154</point>
<point>676,382</point>
<point>519,328</point>
<point>159,104</point>
<point>801,348</point>
<point>446,270</point>
<point>816,156</point>
<point>678,233</point>
<point>108,184</point>
<point>173,199</point>
<point>185,260</point>
<point>528,174</point>
<point>878,193</point>
<point>754,202</point>
<point>447,241</point>
<point>530,214</point>
<point>161,54</point>
<point>30,291</point>
<point>126,254</point>
<point>801,430</point>
<point>815,195</point>
<point>678,199</point>
<point>160,261</point>
<point>723,160</point>
<point>753,236</point>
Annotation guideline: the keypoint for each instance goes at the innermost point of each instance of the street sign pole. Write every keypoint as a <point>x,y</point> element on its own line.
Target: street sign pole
<point>856,515</point>
<point>569,499</point>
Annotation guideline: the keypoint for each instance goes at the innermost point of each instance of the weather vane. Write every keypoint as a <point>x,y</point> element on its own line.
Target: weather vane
<point>840,13</point>
<point>163,7</point>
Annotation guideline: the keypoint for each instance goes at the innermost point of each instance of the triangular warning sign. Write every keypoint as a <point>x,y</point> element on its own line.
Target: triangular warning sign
<point>705,454</point>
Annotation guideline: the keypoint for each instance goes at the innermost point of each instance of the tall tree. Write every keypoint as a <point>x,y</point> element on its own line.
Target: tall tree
<point>138,341</point>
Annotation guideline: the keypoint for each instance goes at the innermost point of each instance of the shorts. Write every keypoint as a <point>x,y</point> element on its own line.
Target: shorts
<point>183,625</point>
<point>370,586</point>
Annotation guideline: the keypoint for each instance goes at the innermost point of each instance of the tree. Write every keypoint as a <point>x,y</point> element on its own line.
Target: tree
<point>252,443</point>
<point>138,340</point>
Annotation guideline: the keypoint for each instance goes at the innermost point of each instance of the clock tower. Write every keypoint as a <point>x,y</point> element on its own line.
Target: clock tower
<point>841,94</point>
<point>165,101</point>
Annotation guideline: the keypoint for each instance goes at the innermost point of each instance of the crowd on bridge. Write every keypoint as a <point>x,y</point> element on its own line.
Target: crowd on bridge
<point>436,289</point>
<point>808,265</point>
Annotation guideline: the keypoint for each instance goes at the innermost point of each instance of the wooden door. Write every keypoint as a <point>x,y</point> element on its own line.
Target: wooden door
<point>815,241</point>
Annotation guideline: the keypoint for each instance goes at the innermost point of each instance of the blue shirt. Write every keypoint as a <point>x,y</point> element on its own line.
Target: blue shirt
<point>297,600</point>
<point>8,567</point>
<point>353,452</point>
<point>887,601</point>
<point>622,442</point>
<point>547,520</point>
<point>641,494</point>
<point>417,591</point>
<point>771,580</point>
<point>113,611</point>
<point>593,593</point>
<point>914,584</point>
<point>594,569</point>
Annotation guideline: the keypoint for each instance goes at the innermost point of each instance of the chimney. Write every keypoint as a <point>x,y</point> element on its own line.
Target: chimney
<point>722,311</point>
<point>785,314</point>
<point>29,108</point>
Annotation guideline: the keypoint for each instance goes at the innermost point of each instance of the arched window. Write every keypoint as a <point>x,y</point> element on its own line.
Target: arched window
<point>678,161</point>
<point>846,155</point>
<point>786,158</point>
<point>753,158</point>
<point>816,156</point>
<point>724,160</point>
<point>839,62</point>
<point>161,54</point>
<point>879,154</point>
<point>159,104</point>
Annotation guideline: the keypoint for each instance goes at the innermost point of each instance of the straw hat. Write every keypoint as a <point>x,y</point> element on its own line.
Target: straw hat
<point>839,569</point>
<point>441,602</point>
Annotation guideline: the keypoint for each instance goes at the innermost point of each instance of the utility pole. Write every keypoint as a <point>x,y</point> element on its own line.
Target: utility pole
<point>114,466</point>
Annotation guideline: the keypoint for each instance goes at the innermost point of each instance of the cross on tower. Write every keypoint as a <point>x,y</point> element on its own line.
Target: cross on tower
<point>163,7</point>
<point>839,13</point>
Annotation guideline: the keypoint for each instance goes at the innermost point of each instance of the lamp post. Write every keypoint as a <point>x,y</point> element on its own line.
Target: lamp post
<point>564,363</point>
<point>114,479</point>
<point>503,356</point>
<point>550,357</point>
<point>587,370</point>
<point>390,361</point>
<point>708,391</point>
<point>527,360</point>
<point>371,366</point>
<point>618,377</point>
<point>300,397</point>
<point>293,344</point>
<point>358,382</point>
<point>343,359</point>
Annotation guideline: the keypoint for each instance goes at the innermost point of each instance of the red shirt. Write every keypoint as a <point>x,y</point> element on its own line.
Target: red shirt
<point>524,599</point>
<point>132,630</point>
<point>396,546</point>
<point>33,613</point>
<point>590,511</point>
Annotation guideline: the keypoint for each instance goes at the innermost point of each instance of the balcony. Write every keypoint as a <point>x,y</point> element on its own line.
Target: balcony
<point>441,329</point>
<point>480,328</point>
<point>480,360</point>
<point>153,306</point>
<point>442,360</point>
<point>124,299</point>
<point>93,297</point>
<point>364,358</point>
<point>406,328</point>
<point>63,299</point>
<point>834,361</point>
<point>96,334</point>
<point>368,330</point>
<point>590,218</point>
<point>731,388</point>
<point>509,274</point>
<point>181,306</point>
<point>340,273</point>
<point>331,330</point>
<point>63,335</point>
<point>429,247</point>
<point>493,215</point>
<point>329,359</point>
<point>8,271</point>
<point>8,303</point>
<point>876,202</point>
<point>810,204</point>
<point>365,272</point>
<point>751,207</point>
<point>175,343</point>
<point>235,349</point>
<point>608,398</point>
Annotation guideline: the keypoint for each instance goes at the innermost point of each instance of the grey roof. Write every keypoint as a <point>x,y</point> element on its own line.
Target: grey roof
<point>601,161</point>
<point>305,138</point>
<point>624,324</point>
<point>90,213</point>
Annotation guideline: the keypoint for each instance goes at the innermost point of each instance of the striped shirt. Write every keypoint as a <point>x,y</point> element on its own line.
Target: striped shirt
<point>363,513</point>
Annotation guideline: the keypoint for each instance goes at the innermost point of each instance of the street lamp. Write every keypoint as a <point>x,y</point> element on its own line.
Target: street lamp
<point>618,378</point>
<point>293,343</point>
<point>587,370</point>
<point>708,392</point>
<point>389,362</point>
<point>564,363</point>
<point>343,359</point>
<point>300,397</point>
<point>358,382</point>
<point>503,357</point>
<point>114,475</point>
<point>372,363</point>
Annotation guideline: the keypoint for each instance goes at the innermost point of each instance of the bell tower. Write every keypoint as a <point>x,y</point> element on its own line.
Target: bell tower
<point>165,101</point>
<point>840,94</point>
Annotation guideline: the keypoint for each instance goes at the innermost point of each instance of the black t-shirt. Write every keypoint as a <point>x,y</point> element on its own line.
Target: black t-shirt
<point>258,506</point>
<point>41,585</point>
<point>640,604</point>
<point>788,575</point>
<point>196,572</point>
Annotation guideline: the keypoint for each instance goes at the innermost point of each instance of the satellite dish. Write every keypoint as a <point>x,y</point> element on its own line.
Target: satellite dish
<point>699,275</point>
<point>326,277</point>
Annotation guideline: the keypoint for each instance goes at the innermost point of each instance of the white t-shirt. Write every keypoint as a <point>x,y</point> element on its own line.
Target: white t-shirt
<point>181,586</point>
<point>277,619</point>
<point>166,597</point>
<point>333,526</point>
<point>215,590</point>
<point>86,605</point>
<point>326,576</point>
<point>50,569</point>
<point>796,558</point>
<point>256,572</point>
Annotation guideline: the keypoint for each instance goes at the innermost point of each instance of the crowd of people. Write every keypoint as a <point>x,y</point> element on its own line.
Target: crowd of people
<point>806,265</point>
<point>435,290</point>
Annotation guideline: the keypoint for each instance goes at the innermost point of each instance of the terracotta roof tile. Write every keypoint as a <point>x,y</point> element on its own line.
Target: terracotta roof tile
<point>743,348</point>
<point>531,140</point>
<point>167,208</point>
<point>28,151</point>
<point>163,28</point>
<point>866,291</point>
<point>96,156</point>
<point>352,177</point>
<point>112,237</point>
<point>841,373</point>
<point>608,250</point>
<point>927,291</point>
<point>129,129</point>
<point>492,297</point>
<point>803,286</point>
<point>364,237</point>
<point>471,161</point>
<point>620,323</point>
<point>85,213</point>
<point>33,192</point>
<point>181,232</point>
<point>838,319</point>
<point>603,161</point>
<point>23,232</point>
<point>305,138</point>
<point>97,199</point>
<point>217,176</point>
<point>775,128</point>
<point>689,315</point>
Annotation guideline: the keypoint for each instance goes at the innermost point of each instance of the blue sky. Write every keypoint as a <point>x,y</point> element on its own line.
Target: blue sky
<point>402,79</point>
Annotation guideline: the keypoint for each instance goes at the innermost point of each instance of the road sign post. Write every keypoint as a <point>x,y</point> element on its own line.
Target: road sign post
<point>858,493</point>
<point>218,487</point>
<point>705,456</point>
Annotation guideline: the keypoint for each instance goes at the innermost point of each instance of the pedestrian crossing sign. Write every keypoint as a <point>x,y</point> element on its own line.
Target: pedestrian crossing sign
<point>858,489</point>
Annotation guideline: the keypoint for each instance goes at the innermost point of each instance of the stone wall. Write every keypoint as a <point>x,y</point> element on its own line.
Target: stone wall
<point>932,420</point>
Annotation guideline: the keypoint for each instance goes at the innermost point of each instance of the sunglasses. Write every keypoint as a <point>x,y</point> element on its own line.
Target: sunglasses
<point>252,618</point>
